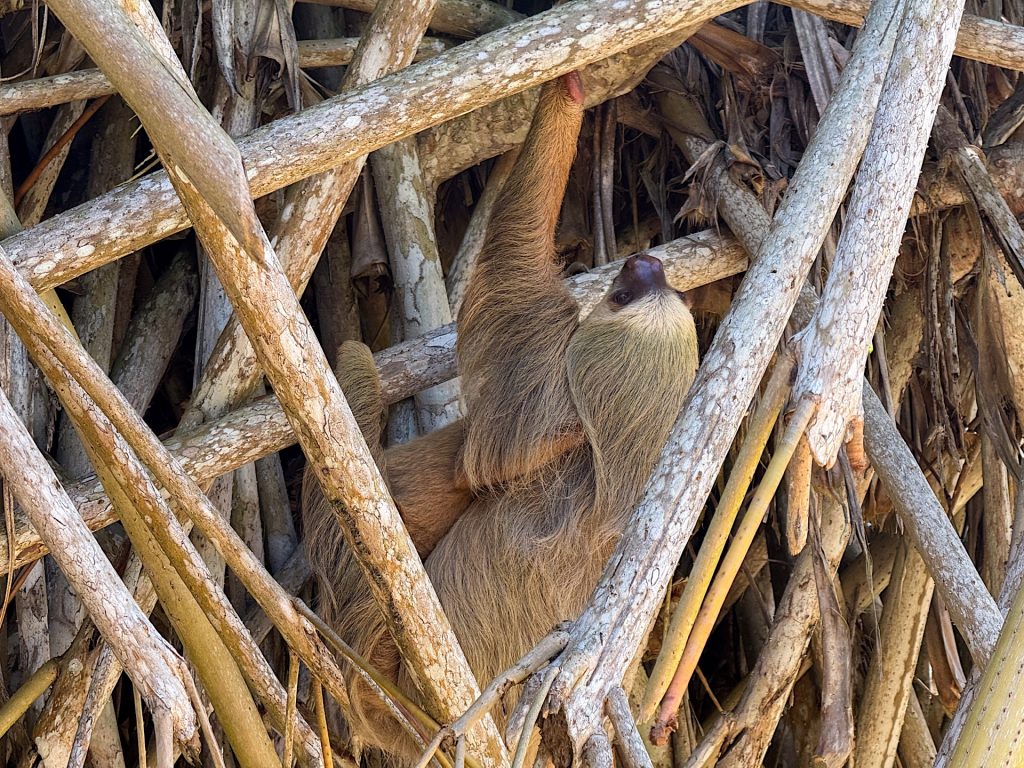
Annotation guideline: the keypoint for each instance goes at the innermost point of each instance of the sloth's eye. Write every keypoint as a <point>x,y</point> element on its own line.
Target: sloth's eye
<point>622,298</point>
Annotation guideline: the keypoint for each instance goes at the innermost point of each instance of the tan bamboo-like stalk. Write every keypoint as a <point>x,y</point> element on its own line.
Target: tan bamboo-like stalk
<point>316,693</point>
<point>798,498</point>
<point>731,563</point>
<point>147,658</point>
<point>888,684</point>
<point>293,695</point>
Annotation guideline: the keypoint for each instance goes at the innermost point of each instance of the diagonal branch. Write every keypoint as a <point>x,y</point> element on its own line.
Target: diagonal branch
<point>148,659</point>
<point>474,74</point>
<point>831,373</point>
<point>43,92</point>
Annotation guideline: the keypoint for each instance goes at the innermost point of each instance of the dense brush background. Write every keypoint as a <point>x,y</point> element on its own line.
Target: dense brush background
<point>947,355</point>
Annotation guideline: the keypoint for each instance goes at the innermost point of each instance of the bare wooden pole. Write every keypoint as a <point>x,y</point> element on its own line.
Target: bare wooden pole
<point>147,658</point>
<point>461,143</point>
<point>420,302</point>
<point>142,212</point>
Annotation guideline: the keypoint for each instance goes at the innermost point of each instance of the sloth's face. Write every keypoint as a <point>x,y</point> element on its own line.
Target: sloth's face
<point>641,299</point>
<point>641,277</point>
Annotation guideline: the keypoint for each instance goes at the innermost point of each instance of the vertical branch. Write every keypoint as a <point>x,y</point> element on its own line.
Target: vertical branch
<point>888,684</point>
<point>420,302</point>
<point>836,736</point>
<point>831,373</point>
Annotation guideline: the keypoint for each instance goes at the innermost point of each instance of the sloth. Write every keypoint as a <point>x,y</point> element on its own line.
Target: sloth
<point>516,507</point>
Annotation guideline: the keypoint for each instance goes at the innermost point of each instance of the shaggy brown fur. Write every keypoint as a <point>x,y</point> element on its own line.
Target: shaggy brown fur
<point>564,422</point>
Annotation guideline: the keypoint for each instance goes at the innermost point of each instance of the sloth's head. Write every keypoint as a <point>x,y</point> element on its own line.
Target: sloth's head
<point>641,296</point>
<point>630,364</point>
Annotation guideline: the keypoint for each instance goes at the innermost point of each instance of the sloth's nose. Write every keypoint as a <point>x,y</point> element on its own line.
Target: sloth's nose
<point>643,274</point>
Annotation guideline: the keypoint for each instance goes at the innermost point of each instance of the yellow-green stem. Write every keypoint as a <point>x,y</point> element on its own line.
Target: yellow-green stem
<point>733,560</point>
<point>992,730</point>
<point>317,694</point>
<point>30,690</point>
<point>718,533</point>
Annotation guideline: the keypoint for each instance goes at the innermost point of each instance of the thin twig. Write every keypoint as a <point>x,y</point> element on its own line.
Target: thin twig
<point>532,714</point>
<point>57,148</point>
<point>539,655</point>
<point>293,694</point>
